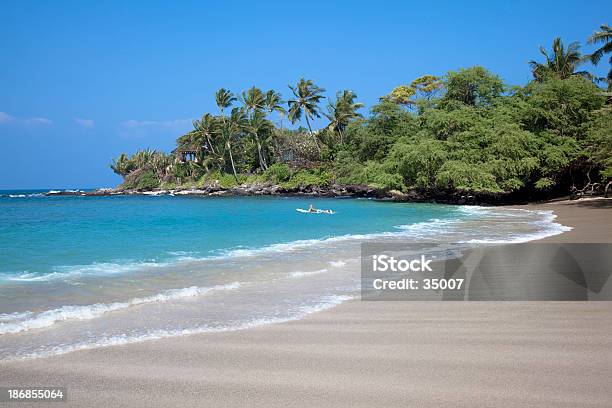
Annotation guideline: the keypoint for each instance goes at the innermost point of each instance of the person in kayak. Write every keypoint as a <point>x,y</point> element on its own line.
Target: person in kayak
<point>312,208</point>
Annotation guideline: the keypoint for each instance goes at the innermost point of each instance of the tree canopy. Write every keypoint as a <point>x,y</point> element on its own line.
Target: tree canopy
<point>463,132</point>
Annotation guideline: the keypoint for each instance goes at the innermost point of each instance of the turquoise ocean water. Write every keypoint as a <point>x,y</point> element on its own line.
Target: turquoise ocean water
<point>82,272</point>
<point>54,235</point>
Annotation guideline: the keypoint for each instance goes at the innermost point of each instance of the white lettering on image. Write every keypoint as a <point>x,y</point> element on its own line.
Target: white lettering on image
<point>384,263</point>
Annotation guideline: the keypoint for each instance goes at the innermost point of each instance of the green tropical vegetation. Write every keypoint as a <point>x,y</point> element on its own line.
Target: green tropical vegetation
<point>464,133</point>
<point>603,37</point>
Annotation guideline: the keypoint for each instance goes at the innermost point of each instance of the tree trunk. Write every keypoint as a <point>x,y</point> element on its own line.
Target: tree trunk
<point>212,148</point>
<point>312,135</point>
<point>229,148</point>
<point>262,160</point>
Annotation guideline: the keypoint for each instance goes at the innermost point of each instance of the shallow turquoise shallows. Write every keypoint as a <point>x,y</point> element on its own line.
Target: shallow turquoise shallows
<point>41,235</point>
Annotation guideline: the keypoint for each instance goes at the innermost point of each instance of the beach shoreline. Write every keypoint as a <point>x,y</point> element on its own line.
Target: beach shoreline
<point>366,354</point>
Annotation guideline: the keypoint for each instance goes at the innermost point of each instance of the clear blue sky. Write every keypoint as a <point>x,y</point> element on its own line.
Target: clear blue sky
<point>81,82</point>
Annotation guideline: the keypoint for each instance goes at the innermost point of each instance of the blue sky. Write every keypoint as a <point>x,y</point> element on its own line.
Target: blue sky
<point>81,82</point>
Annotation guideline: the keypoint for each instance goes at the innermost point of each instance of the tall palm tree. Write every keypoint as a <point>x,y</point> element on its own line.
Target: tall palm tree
<point>342,111</point>
<point>561,63</point>
<point>258,125</point>
<point>307,97</point>
<point>602,37</point>
<point>224,99</point>
<point>274,103</point>
<point>253,99</point>
<point>232,128</point>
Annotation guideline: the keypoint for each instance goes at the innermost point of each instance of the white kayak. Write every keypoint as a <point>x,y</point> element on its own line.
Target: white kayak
<point>317,211</point>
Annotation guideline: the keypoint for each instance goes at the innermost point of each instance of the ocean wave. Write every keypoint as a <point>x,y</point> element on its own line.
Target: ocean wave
<point>547,227</point>
<point>431,227</point>
<point>98,268</point>
<point>14,316</point>
<point>325,303</point>
<point>300,274</point>
<point>23,195</point>
<point>40,193</point>
<point>19,322</point>
<point>427,228</point>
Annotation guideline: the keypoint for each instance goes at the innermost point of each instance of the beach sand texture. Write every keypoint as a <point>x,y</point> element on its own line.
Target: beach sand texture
<point>365,354</point>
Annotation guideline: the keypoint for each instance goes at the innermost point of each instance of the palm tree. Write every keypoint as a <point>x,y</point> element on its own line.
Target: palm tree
<point>258,125</point>
<point>561,63</point>
<point>231,129</point>
<point>306,102</point>
<point>253,99</point>
<point>224,99</point>
<point>342,111</point>
<point>274,103</point>
<point>604,37</point>
<point>121,165</point>
<point>143,158</point>
<point>205,127</point>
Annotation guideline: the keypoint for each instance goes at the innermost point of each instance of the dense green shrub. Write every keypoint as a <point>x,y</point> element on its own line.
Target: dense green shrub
<point>454,175</point>
<point>147,181</point>
<point>278,173</point>
<point>308,178</point>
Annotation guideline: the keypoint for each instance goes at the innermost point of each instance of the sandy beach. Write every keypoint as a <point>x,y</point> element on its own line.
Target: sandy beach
<point>366,354</point>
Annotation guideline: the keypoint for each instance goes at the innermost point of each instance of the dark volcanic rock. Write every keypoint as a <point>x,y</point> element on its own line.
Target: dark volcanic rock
<point>332,190</point>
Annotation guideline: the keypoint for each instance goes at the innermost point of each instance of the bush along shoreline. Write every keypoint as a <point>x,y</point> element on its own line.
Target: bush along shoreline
<point>464,137</point>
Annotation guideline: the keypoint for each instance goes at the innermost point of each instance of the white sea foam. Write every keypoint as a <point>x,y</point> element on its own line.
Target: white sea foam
<point>474,210</point>
<point>24,195</point>
<point>98,268</point>
<point>546,227</point>
<point>325,303</point>
<point>7,317</point>
<point>19,322</point>
<point>337,264</point>
<point>405,230</point>
<point>430,228</point>
<point>301,274</point>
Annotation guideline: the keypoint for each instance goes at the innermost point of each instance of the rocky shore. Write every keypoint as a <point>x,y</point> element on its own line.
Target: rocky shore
<point>270,189</point>
<point>257,189</point>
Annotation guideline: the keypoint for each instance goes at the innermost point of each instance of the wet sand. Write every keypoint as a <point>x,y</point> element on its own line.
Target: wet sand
<point>366,354</point>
